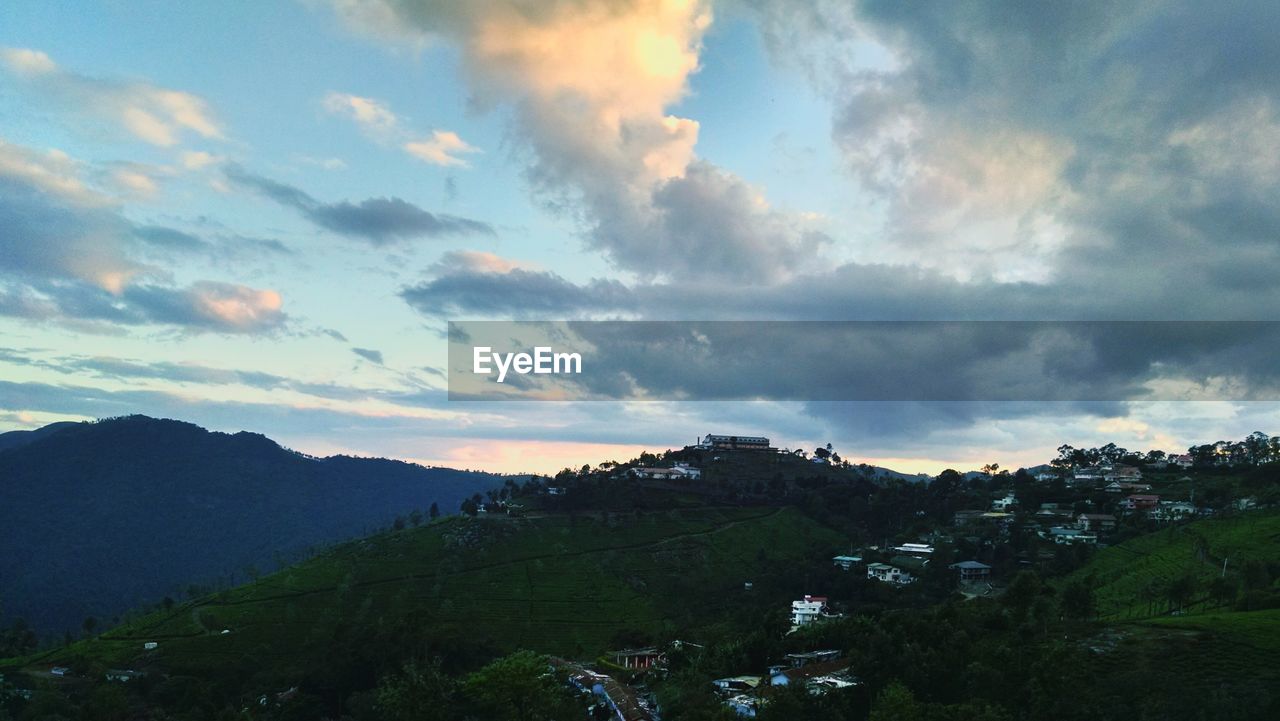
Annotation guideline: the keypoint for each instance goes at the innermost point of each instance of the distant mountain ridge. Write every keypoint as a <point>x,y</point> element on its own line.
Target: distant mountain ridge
<point>97,518</point>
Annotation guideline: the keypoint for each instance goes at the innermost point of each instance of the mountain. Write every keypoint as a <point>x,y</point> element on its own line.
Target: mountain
<point>98,518</point>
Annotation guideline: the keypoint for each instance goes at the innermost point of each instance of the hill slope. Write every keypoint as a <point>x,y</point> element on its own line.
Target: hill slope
<point>1134,578</point>
<point>568,585</point>
<point>97,518</point>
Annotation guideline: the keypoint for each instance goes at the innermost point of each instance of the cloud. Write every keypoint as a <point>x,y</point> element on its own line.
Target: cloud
<point>67,256</point>
<point>466,287</point>
<point>591,82</point>
<point>155,115</point>
<point>378,220</point>
<point>442,148</point>
<point>370,114</point>
<point>373,356</point>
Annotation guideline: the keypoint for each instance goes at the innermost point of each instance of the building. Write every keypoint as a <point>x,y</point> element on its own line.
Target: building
<point>846,562</point>
<point>1071,536</point>
<point>972,571</point>
<point>813,676</point>
<point>1141,502</point>
<point>680,470</point>
<point>123,675</point>
<point>1173,510</point>
<point>1096,522</point>
<point>914,549</point>
<point>638,658</point>
<point>888,574</point>
<point>735,443</point>
<point>964,518</point>
<point>796,660</point>
<point>1183,461</point>
<point>1004,504</point>
<point>809,609</point>
<point>555,490</point>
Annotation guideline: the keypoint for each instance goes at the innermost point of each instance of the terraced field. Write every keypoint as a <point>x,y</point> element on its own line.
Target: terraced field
<point>1131,579</point>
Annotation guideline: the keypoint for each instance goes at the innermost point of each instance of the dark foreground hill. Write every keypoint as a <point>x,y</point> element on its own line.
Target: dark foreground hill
<point>99,518</point>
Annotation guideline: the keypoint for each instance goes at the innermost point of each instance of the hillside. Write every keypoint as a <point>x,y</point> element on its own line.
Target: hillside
<point>99,518</point>
<point>1141,577</point>
<point>575,586</point>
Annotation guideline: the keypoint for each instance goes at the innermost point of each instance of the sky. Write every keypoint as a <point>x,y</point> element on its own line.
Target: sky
<point>262,216</point>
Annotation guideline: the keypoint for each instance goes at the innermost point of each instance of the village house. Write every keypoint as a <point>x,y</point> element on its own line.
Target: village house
<point>1141,502</point>
<point>1183,461</point>
<point>810,609</point>
<point>1096,522</point>
<point>1071,536</point>
<point>120,675</point>
<point>888,574</point>
<point>680,470</point>
<point>1126,487</point>
<point>638,658</point>
<point>914,549</point>
<point>846,562</point>
<point>964,518</point>
<point>1173,511</point>
<point>1121,472</point>
<point>971,571</point>
<point>796,660</point>
<point>817,677</point>
<point>1004,504</point>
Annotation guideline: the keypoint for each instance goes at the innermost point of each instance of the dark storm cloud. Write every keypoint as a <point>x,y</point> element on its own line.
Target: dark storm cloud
<point>377,220</point>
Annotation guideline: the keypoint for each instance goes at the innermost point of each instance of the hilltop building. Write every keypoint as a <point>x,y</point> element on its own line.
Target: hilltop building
<point>734,443</point>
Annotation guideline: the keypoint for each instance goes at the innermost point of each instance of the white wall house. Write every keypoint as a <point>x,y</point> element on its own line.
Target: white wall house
<point>809,609</point>
<point>888,574</point>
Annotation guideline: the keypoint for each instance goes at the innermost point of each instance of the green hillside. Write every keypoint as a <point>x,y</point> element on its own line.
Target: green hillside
<point>1140,577</point>
<point>557,584</point>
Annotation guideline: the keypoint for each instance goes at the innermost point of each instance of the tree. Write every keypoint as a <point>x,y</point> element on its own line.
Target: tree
<point>1078,601</point>
<point>89,625</point>
<point>415,518</point>
<point>469,507</point>
<point>896,703</point>
<point>520,687</point>
<point>435,511</point>
<point>419,691</point>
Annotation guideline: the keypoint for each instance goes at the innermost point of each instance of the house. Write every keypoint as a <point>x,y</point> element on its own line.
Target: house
<point>964,518</point>
<point>150,646</point>
<point>888,574</point>
<point>809,609</point>
<point>1004,504</point>
<point>638,658</point>
<point>1071,536</point>
<point>1091,474</point>
<point>555,490</point>
<point>810,675</point>
<point>1141,502</point>
<point>972,571</point>
<point>1121,472</point>
<point>1126,487</point>
<point>1183,461</point>
<point>60,671</point>
<point>734,443</point>
<point>796,660</point>
<point>123,675</point>
<point>913,549</point>
<point>846,562</point>
<point>1048,476</point>
<point>738,683</point>
<point>1173,510</point>
<point>1096,522</point>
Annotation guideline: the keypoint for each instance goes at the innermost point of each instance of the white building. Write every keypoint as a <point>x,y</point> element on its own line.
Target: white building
<point>1004,504</point>
<point>846,562</point>
<point>888,574</point>
<point>809,609</point>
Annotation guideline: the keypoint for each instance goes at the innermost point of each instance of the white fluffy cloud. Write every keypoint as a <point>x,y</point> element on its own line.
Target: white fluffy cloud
<point>155,115</point>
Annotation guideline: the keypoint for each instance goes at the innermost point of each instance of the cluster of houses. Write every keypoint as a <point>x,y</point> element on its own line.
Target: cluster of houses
<point>898,571</point>
<point>677,472</point>
<point>818,671</point>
